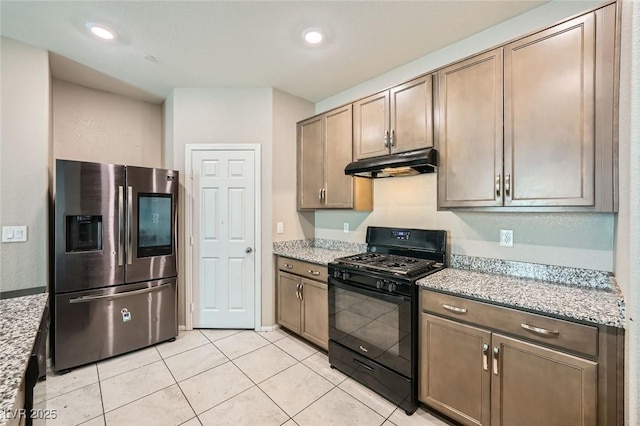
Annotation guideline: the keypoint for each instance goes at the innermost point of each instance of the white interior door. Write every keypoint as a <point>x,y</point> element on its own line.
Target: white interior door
<point>223,223</point>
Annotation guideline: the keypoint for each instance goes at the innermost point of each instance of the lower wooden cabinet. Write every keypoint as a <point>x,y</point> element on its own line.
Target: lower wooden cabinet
<point>479,378</point>
<point>474,373</point>
<point>303,305</point>
<point>532,385</point>
<point>454,371</point>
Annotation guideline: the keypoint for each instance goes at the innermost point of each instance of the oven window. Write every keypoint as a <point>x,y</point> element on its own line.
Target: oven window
<point>372,326</point>
<point>154,225</point>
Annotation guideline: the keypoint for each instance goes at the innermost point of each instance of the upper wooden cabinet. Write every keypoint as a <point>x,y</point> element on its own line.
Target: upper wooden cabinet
<point>324,150</point>
<point>470,132</point>
<point>397,120</point>
<point>556,147</point>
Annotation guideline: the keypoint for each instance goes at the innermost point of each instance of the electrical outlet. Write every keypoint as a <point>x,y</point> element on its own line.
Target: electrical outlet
<point>346,227</point>
<point>280,227</point>
<point>506,238</point>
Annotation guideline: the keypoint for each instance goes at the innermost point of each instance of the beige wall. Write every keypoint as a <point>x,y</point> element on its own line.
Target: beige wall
<point>92,125</point>
<point>568,239</point>
<point>287,111</point>
<point>24,163</point>
<point>224,115</point>
<point>627,246</point>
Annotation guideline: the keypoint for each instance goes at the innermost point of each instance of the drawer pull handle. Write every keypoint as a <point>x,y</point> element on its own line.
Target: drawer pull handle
<point>288,266</point>
<point>454,309</point>
<point>363,365</point>
<point>314,272</point>
<point>496,352</point>
<point>485,357</point>
<point>541,331</point>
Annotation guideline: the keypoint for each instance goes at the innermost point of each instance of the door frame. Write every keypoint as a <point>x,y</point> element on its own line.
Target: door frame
<point>188,225</point>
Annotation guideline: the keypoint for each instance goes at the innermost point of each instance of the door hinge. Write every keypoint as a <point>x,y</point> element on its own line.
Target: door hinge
<point>192,307</point>
<point>190,240</point>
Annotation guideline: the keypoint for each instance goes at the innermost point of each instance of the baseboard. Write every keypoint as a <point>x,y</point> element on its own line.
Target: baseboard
<point>270,328</point>
<point>182,328</point>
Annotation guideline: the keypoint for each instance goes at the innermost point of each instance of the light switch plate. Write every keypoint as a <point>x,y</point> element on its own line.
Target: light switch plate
<point>345,227</point>
<point>14,234</point>
<point>280,227</point>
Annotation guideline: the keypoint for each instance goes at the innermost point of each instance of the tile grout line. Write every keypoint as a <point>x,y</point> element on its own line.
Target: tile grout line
<point>104,415</point>
<point>178,384</point>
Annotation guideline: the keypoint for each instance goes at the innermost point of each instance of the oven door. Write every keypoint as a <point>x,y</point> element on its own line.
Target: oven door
<point>375,324</point>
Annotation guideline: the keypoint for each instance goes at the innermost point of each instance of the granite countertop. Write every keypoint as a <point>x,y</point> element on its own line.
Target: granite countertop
<point>572,293</point>
<point>595,305</point>
<point>19,322</point>
<point>317,251</point>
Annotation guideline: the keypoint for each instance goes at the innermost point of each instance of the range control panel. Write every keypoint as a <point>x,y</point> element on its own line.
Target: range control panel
<point>401,234</point>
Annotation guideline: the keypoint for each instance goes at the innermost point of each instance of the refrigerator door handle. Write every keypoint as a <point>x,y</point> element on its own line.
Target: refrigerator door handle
<point>129,224</point>
<point>120,224</point>
<point>85,299</point>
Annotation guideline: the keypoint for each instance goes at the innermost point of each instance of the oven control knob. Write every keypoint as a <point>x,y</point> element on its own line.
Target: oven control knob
<point>336,274</point>
<point>346,276</point>
<point>379,284</point>
<point>392,287</point>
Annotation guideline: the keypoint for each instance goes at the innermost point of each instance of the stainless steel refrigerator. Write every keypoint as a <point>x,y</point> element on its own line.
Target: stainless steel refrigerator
<point>114,272</point>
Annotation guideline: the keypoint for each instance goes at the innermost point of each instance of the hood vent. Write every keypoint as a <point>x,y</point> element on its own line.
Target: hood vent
<point>403,164</point>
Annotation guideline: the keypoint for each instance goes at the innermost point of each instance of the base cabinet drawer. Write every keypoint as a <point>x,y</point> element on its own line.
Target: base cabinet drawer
<point>549,331</point>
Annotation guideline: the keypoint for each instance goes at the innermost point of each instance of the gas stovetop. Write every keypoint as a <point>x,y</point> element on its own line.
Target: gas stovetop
<point>389,263</point>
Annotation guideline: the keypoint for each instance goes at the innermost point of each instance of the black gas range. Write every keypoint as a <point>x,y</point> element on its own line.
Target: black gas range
<point>373,309</point>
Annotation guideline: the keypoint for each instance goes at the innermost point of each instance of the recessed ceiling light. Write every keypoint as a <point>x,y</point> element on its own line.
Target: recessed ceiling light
<point>312,35</point>
<point>101,31</point>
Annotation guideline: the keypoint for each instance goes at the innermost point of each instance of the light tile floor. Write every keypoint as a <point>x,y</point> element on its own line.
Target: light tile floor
<point>218,377</point>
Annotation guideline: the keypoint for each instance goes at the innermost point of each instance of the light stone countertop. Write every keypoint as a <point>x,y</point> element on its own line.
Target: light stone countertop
<point>19,322</point>
<point>317,251</point>
<point>572,293</point>
<point>594,305</point>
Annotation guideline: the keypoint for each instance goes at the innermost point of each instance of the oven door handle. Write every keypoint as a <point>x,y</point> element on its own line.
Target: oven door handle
<point>375,294</point>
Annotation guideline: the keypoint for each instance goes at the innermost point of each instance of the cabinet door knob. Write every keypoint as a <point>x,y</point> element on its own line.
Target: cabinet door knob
<point>496,353</point>
<point>392,138</point>
<point>497,185</point>
<point>386,138</point>
<point>248,250</point>
<point>507,185</point>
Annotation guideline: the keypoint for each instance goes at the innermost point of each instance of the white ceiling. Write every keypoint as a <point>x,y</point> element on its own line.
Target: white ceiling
<point>244,43</point>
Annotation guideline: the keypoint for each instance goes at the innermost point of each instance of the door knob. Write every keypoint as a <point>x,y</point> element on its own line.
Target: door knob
<point>248,250</point>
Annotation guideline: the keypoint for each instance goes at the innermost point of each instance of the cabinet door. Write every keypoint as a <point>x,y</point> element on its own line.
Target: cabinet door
<point>371,126</point>
<point>288,311</point>
<point>539,386</point>
<point>412,115</point>
<point>310,164</point>
<point>338,153</point>
<point>315,312</point>
<point>549,116</point>
<point>454,371</point>
<point>470,132</point>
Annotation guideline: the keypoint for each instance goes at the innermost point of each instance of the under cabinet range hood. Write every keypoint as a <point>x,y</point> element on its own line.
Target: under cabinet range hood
<point>393,165</point>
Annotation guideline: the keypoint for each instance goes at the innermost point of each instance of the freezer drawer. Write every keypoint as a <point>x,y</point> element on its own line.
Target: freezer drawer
<point>98,324</point>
